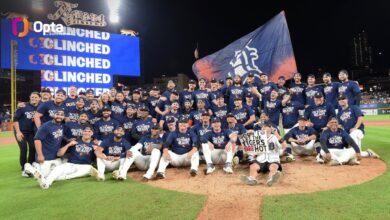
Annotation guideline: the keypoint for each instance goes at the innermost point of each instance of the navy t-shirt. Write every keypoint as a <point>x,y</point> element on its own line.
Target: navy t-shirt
<point>331,93</point>
<point>165,118</point>
<point>143,127</point>
<point>335,140</point>
<point>351,90</point>
<point>180,143</point>
<point>70,102</point>
<point>73,113</point>
<point>298,134</point>
<point>273,108</point>
<point>235,91</point>
<point>128,124</point>
<point>94,117</point>
<point>81,153</point>
<point>297,92</point>
<point>74,130</point>
<point>50,134</point>
<point>219,140</point>
<point>310,92</point>
<point>265,91</point>
<point>203,94</point>
<point>104,129</point>
<point>48,109</point>
<point>115,148</point>
<point>243,114</point>
<point>185,95</point>
<point>146,140</point>
<point>320,115</point>
<point>349,116</point>
<point>196,116</point>
<point>290,114</point>
<point>25,117</point>
<point>118,110</point>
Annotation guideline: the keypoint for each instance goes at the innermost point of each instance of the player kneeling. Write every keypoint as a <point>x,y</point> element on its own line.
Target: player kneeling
<point>111,155</point>
<point>302,139</point>
<point>79,162</point>
<point>266,144</point>
<point>180,150</point>
<point>149,156</point>
<point>218,147</point>
<point>335,142</point>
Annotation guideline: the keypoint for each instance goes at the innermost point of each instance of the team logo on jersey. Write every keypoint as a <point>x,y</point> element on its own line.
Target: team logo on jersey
<point>296,90</point>
<point>302,136</point>
<point>202,95</point>
<point>244,60</point>
<point>311,93</point>
<point>240,116</point>
<point>342,89</point>
<point>115,150</point>
<point>220,113</point>
<point>128,125</point>
<point>218,140</point>
<point>94,120</point>
<point>83,149</point>
<point>328,89</point>
<point>73,116</point>
<point>70,104</point>
<point>106,128</point>
<point>76,132</point>
<point>117,109</point>
<point>319,113</point>
<point>142,128</point>
<point>265,89</point>
<point>57,134</point>
<point>183,141</point>
<point>288,110</point>
<point>271,104</point>
<point>336,140</point>
<point>29,115</point>
<point>236,91</point>
<point>345,116</point>
<point>204,131</point>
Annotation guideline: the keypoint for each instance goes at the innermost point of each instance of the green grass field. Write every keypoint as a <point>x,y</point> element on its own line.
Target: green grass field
<point>85,198</point>
<point>376,117</point>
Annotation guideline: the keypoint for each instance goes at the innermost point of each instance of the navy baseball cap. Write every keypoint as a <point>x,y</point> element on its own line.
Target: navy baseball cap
<point>171,120</point>
<point>302,118</point>
<point>230,115</point>
<point>174,92</point>
<point>183,120</point>
<point>318,95</point>
<point>342,97</point>
<point>155,88</point>
<point>311,76</point>
<point>89,91</point>
<point>213,80</point>
<point>136,91</point>
<point>202,80</point>
<point>221,81</point>
<point>205,114</point>
<point>229,77</point>
<point>327,74</point>
<point>106,108</point>
<point>155,126</point>
<point>61,91</point>
<point>191,81</point>
<point>251,74</point>
<point>143,108</point>
<point>119,127</point>
<point>249,95</point>
<point>215,120</point>
<point>219,96</point>
<point>237,98</point>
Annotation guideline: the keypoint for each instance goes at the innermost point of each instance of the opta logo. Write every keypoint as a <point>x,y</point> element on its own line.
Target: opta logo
<point>38,27</point>
<point>15,22</point>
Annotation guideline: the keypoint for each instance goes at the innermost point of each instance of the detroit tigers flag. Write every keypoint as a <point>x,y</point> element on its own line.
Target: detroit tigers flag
<point>267,49</point>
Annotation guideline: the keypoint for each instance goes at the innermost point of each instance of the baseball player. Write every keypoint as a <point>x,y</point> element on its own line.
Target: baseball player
<point>111,154</point>
<point>24,130</point>
<point>173,113</point>
<point>118,107</point>
<point>301,139</point>
<point>104,127</point>
<point>273,107</point>
<point>145,154</point>
<point>72,96</point>
<point>312,89</point>
<point>187,93</point>
<point>79,162</point>
<point>220,109</point>
<point>218,146</point>
<point>349,89</point>
<point>264,88</point>
<point>46,110</point>
<point>74,130</point>
<point>252,103</point>
<point>331,90</point>
<point>72,113</point>
<point>201,129</point>
<point>239,129</point>
<point>290,112</point>
<point>351,118</point>
<point>250,82</point>
<point>171,128</point>
<point>214,91</point>
<point>243,115</point>
<point>129,120</point>
<point>141,126</point>
<point>281,87</point>
<point>267,157</point>
<point>196,115</point>
<point>186,111</point>
<point>180,150</point>
<point>94,113</point>
<point>236,90</point>
<point>47,141</point>
<point>335,142</point>
<point>297,89</point>
<point>203,94</point>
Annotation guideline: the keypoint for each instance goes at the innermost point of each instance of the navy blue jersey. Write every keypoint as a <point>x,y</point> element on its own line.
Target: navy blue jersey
<point>115,148</point>
<point>165,118</point>
<point>281,91</point>
<point>74,130</point>
<point>238,128</point>
<point>203,94</point>
<point>349,116</point>
<point>255,100</point>
<point>265,90</point>
<point>50,134</point>
<point>351,90</point>
<point>127,124</point>
<point>25,117</point>
<point>290,114</point>
<point>81,153</point>
<point>320,115</point>
<point>104,129</point>
<point>243,114</point>
<point>339,139</point>
<point>214,95</point>
<point>47,109</point>
<point>196,116</point>
<point>331,93</point>
<point>273,108</point>
<point>167,93</point>
<point>73,113</point>
<point>147,140</point>
<point>186,114</point>
<point>183,96</point>
<point>219,140</point>
<point>298,134</point>
<point>70,102</point>
<point>165,135</point>
<point>136,104</point>
<point>94,117</point>
<point>87,105</point>
<point>143,127</point>
<point>220,112</point>
<point>181,143</point>
<point>310,91</point>
<point>164,105</point>
<point>235,91</point>
<point>118,110</point>
<point>297,92</point>
<point>152,102</point>
<point>200,130</point>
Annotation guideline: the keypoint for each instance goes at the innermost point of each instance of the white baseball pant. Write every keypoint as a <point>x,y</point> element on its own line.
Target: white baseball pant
<point>305,150</point>
<point>67,171</point>
<point>46,167</point>
<point>108,165</point>
<point>341,155</point>
<point>142,162</point>
<point>357,136</point>
<point>216,156</point>
<point>179,160</point>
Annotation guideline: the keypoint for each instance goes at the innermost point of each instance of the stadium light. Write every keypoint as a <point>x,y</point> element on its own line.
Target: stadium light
<point>113,6</point>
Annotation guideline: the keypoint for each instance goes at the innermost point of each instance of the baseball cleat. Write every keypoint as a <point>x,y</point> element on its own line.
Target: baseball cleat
<point>319,159</point>
<point>290,158</point>
<point>147,176</point>
<point>28,169</point>
<point>353,161</point>
<point>193,172</point>
<point>42,182</point>
<point>100,177</point>
<point>372,153</point>
<point>115,174</point>
<point>248,180</point>
<point>25,174</point>
<point>121,178</point>
<point>228,168</point>
<point>160,175</point>
<point>334,163</point>
<point>235,161</point>
<point>210,168</point>
<point>274,178</point>
<point>93,172</point>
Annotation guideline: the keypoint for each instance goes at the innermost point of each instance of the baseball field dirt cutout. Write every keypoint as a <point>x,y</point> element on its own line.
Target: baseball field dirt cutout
<point>228,198</point>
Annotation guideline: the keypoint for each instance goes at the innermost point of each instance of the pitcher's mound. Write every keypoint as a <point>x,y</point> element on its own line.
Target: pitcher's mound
<point>228,198</point>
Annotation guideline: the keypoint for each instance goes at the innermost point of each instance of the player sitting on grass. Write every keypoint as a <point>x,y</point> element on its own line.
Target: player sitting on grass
<point>267,156</point>
<point>218,146</point>
<point>145,154</point>
<point>301,139</point>
<point>111,154</point>
<point>79,162</point>
<point>334,142</point>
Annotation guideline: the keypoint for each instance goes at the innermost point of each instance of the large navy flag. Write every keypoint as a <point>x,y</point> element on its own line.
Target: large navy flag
<point>267,49</point>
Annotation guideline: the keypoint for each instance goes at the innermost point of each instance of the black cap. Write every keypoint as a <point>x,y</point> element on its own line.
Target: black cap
<point>130,105</point>
<point>136,91</point>
<point>46,90</point>
<point>125,88</point>
<point>251,74</point>
<point>229,76</point>
<point>302,118</point>
<point>171,120</point>
<point>191,81</point>
<point>155,88</point>
<point>88,128</point>
<point>237,98</point>
<point>155,126</point>
<point>219,96</point>
<point>342,97</point>
<point>318,95</point>
<point>106,108</point>
<point>215,119</point>
<point>145,93</point>
<point>187,100</point>
<point>174,92</point>
<point>183,120</point>
<point>213,80</point>
<point>89,91</point>
<point>82,93</point>
<point>143,108</point>
<point>221,81</point>
<point>249,95</point>
<point>119,127</point>
<point>61,91</point>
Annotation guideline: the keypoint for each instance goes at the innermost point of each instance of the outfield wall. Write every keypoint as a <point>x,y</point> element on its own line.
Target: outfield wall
<point>375,109</point>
